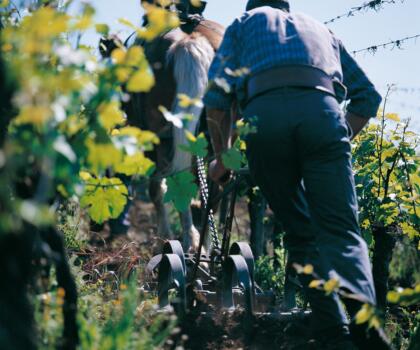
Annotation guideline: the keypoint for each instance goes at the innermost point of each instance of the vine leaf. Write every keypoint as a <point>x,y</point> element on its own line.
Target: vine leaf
<point>181,189</point>
<point>141,81</point>
<point>393,116</point>
<point>104,198</point>
<point>136,164</point>
<point>102,155</point>
<point>145,139</point>
<point>232,159</point>
<point>111,115</point>
<point>197,146</point>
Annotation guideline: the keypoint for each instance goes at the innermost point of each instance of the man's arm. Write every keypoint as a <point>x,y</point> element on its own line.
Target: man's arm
<point>219,123</point>
<point>219,101</point>
<point>364,98</point>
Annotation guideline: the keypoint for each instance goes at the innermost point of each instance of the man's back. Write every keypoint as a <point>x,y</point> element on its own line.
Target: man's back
<point>268,37</point>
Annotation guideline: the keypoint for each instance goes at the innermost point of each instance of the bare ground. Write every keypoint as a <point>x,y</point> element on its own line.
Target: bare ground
<point>204,327</point>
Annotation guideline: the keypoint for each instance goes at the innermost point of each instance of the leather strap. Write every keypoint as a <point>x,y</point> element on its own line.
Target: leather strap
<point>289,76</point>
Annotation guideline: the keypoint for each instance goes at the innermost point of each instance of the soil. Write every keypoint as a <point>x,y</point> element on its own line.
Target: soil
<point>203,327</point>
<point>234,330</point>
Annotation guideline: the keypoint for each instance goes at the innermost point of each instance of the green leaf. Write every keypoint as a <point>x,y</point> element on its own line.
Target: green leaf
<point>104,198</point>
<point>102,29</point>
<point>232,159</point>
<point>197,146</point>
<point>181,189</point>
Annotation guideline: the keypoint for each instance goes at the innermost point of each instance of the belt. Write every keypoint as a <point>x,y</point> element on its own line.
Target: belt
<point>294,76</point>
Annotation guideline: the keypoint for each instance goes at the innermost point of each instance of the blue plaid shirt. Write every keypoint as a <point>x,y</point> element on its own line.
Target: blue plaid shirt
<point>266,37</point>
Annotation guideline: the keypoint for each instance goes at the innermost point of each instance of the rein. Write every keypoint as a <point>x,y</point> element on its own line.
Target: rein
<point>206,24</point>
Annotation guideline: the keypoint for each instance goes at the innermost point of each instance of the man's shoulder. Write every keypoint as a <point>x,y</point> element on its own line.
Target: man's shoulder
<point>267,12</point>
<point>264,14</point>
<point>307,18</point>
<point>262,11</point>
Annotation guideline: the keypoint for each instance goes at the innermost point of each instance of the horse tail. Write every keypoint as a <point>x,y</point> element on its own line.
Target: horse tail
<point>191,58</point>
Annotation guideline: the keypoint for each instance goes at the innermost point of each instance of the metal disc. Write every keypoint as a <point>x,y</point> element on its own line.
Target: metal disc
<point>175,247</point>
<point>171,276</point>
<point>243,249</point>
<point>235,272</point>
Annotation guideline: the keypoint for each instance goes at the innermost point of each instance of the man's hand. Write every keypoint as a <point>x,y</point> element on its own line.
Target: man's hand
<point>356,122</point>
<point>220,126</point>
<point>218,173</point>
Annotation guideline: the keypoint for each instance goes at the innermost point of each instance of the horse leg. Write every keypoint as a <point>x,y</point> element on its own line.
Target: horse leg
<point>190,234</point>
<point>156,192</point>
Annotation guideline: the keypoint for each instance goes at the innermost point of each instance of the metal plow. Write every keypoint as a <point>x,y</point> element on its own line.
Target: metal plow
<point>223,279</point>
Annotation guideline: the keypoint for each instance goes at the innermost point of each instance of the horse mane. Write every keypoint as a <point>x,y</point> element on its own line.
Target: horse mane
<point>190,58</point>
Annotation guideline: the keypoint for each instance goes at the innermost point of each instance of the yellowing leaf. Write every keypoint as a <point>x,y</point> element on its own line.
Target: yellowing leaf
<point>123,74</point>
<point>83,23</point>
<point>365,224</point>
<point>364,314</point>
<point>102,29</point>
<point>118,55</point>
<point>110,114</point>
<point>4,3</point>
<point>410,231</point>
<point>102,155</point>
<point>136,164</point>
<point>393,116</point>
<point>73,124</point>
<point>141,81</point>
<point>104,198</point>
<point>388,153</point>
<point>126,22</point>
<point>190,136</point>
<point>135,56</point>
<point>331,285</point>
<point>315,283</point>
<point>308,269</point>
<point>160,20</point>
<point>85,176</point>
<point>196,3</point>
<point>145,138</point>
<point>33,115</point>
<point>393,297</point>
<point>375,322</point>
<point>185,101</point>
<point>45,23</point>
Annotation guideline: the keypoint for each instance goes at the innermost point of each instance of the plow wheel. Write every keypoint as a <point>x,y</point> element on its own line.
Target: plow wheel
<point>236,274</point>
<point>169,247</point>
<point>243,249</point>
<point>175,247</point>
<point>172,277</point>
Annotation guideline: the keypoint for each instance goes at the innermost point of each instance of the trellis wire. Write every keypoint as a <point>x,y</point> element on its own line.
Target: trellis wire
<point>394,43</point>
<point>370,5</point>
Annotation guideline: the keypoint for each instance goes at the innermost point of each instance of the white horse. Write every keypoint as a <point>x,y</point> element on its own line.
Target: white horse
<point>180,60</point>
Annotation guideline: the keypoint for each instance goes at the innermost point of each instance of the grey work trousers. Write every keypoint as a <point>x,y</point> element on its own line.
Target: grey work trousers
<point>300,157</point>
